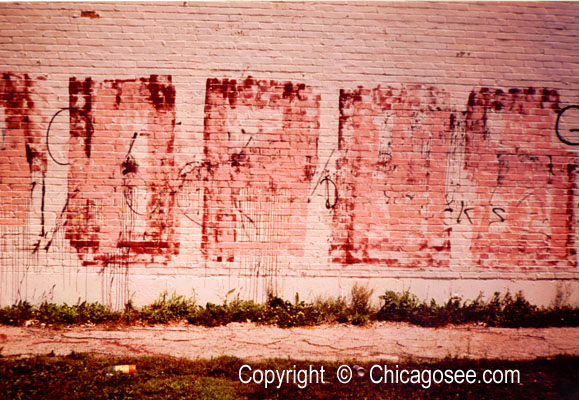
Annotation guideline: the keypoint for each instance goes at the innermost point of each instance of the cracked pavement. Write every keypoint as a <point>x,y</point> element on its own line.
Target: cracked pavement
<point>380,340</point>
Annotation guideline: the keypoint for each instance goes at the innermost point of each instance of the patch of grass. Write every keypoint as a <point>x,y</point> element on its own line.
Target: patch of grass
<point>17,314</point>
<point>332,309</point>
<point>286,314</point>
<point>75,314</point>
<point>167,309</point>
<point>52,313</point>
<point>78,377</point>
<point>275,312</point>
<point>504,311</point>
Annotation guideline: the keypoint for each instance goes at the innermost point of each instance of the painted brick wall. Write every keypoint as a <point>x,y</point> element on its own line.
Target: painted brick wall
<point>288,147</point>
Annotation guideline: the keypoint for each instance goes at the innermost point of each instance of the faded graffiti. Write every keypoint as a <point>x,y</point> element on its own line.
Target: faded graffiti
<point>22,181</point>
<point>121,150</point>
<point>488,185</point>
<point>391,175</point>
<point>517,169</point>
<point>21,144</point>
<point>260,148</point>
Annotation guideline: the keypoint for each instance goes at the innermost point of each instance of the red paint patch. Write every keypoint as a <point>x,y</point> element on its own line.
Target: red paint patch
<point>22,148</point>
<point>391,177</point>
<point>80,103</point>
<point>121,196</point>
<point>162,92</point>
<point>260,147</point>
<point>523,214</point>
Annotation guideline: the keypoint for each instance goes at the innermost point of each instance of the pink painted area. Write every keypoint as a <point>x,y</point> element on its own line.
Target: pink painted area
<point>525,180</point>
<point>260,147</point>
<point>410,173</point>
<point>121,194</point>
<point>22,149</point>
<point>391,175</point>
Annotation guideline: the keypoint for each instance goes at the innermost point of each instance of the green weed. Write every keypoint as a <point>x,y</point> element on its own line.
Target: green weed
<point>504,311</point>
<point>167,309</point>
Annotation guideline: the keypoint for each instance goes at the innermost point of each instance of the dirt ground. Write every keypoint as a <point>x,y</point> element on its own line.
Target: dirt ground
<point>389,341</point>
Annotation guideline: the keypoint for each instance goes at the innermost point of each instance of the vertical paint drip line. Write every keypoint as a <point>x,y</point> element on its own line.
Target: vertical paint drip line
<point>13,267</point>
<point>3,257</point>
<point>15,261</point>
<point>3,252</point>
<point>121,281</point>
<point>85,283</point>
<point>272,240</point>
<point>42,204</point>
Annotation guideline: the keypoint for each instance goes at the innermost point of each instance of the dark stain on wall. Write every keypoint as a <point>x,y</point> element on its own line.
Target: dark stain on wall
<point>391,147</point>
<point>516,125</point>
<point>31,154</point>
<point>84,235</point>
<point>227,88</point>
<point>80,98</point>
<point>19,107</point>
<point>162,92</point>
<point>89,14</point>
<point>129,166</point>
<point>346,101</point>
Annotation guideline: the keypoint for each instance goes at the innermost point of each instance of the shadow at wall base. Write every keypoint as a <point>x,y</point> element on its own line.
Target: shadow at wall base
<point>143,289</point>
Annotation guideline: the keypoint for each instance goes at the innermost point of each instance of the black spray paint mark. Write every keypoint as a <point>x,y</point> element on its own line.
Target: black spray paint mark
<point>496,212</point>
<point>574,130</point>
<point>130,166</point>
<point>42,233</point>
<point>237,205</point>
<point>324,170</point>
<point>76,110</point>
<point>464,211</point>
<point>237,159</point>
<point>328,181</point>
<point>60,221</point>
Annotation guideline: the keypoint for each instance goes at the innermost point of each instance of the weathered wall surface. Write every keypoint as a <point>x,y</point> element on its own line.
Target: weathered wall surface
<point>288,147</point>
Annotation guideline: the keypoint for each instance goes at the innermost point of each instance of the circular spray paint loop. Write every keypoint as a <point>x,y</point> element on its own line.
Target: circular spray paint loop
<point>559,135</point>
<point>329,182</point>
<point>129,202</point>
<point>50,125</point>
<point>129,167</point>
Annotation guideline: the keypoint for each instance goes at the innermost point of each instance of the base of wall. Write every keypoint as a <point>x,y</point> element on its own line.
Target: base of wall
<point>116,289</point>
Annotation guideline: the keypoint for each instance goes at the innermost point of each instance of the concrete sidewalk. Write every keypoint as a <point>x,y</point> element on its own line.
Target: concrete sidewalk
<point>390,341</point>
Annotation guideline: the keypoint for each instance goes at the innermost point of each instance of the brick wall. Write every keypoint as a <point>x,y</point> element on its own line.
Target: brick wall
<point>288,147</point>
